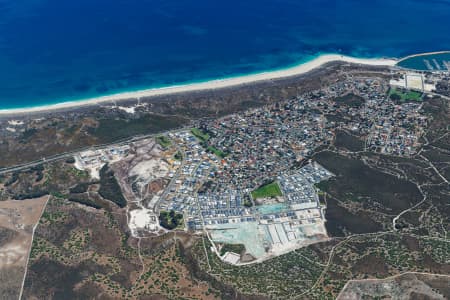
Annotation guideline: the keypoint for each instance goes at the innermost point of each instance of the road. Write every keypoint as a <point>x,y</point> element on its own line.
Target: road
<point>69,154</point>
<point>31,246</point>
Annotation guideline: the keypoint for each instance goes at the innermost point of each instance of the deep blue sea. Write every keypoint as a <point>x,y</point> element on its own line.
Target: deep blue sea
<point>56,50</point>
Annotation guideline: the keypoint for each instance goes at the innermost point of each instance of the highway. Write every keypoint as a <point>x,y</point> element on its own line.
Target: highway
<point>69,154</point>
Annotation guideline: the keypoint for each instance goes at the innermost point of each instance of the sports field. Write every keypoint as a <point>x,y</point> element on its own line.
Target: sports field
<point>267,191</point>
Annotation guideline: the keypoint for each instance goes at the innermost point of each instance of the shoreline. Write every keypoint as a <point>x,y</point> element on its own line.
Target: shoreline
<point>206,85</point>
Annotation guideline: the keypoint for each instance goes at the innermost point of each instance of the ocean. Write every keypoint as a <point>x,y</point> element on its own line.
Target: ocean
<point>56,50</point>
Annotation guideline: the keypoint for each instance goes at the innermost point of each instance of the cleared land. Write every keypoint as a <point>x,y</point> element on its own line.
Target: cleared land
<point>405,286</point>
<point>17,219</point>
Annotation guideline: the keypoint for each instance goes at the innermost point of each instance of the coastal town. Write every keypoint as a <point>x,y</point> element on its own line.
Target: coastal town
<point>234,150</point>
<point>316,167</point>
<point>249,178</point>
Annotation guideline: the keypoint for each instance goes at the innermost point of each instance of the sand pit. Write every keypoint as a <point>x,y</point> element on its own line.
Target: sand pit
<point>150,169</point>
<point>142,219</point>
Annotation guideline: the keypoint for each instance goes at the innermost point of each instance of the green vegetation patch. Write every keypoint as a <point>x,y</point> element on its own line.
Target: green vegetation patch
<point>403,96</point>
<point>11,180</point>
<point>27,134</point>
<point>204,137</point>
<point>70,160</point>
<point>178,156</point>
<point>200,134</point>
<point>345,140</point>
<point>322,186</point>
<point>84,200</point>
<point>355,181</point>
<point>110,130</point>
<point>278,278</point>
<point>248,202</point>
<point>269,190</point>
<point>163,141</point>
<point>350,100</point>
<point>79,188</point>
<point>236,248</point>
<point>170,219</point>
<point>109,187</point>
<point>217,152</point>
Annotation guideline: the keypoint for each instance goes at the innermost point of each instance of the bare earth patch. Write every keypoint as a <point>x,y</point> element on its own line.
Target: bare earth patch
<point>17,219</point>
<point>405,286</point>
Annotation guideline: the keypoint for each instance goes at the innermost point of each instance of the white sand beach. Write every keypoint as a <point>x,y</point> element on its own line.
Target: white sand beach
<point>208,85</point>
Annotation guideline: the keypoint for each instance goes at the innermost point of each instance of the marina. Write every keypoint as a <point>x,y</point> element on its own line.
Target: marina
<point>431,62</point>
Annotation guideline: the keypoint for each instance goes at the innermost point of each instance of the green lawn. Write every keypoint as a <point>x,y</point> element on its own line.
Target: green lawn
<point>200,134</point>
<point>204,137</point>
<point>404,96</point>
<point>268,190</point>
<point>163,141</point>
<point>217,152</point>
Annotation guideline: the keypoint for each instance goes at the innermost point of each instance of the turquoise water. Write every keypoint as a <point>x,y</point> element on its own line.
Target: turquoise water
<point>272,208</point>
<point>53,51</point>
<point>428,62</point>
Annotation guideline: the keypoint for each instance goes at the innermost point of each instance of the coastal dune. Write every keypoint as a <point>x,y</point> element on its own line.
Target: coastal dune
<point>207,85</point>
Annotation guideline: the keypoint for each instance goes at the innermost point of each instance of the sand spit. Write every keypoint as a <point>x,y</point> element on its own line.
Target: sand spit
<point>208,85</point>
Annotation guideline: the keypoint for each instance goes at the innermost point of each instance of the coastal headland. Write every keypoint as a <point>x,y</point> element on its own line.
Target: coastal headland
<point>207,85</point>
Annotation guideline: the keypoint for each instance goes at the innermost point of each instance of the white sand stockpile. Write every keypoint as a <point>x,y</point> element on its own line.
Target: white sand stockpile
<point>142,219</point>
<point>150,169</point>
